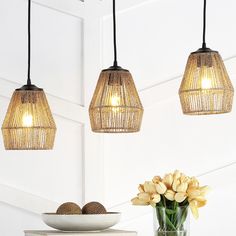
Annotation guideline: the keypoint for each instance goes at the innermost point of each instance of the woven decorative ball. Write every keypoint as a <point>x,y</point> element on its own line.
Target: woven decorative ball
<point>69,208</point>
<point>94,208</point>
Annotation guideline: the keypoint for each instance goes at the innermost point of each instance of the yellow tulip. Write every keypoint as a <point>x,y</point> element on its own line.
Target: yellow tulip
<point>156,198</point>
<point>144,197</point>
<point>184,179</point>
<point>201,203</point>
<point>168,180</point>
<point>193,183</point>
<point>156,179</point>
<point>170,195</point>
<point>161,188</point>
<point>137,201</point>
<point>149,187</point>
<point>174,187</point>
<point>193,192</point>
<point>176,174</point>
<point>175,184</point>
<point>182,187</point>
<point>180,197</point>
<point>204,190</point>
<point>194,208</point>
<point>141,188</point>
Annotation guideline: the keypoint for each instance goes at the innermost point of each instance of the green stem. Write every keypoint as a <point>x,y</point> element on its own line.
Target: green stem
<point>183,218</point>
<point>164,218</point>
<point>175,205</point>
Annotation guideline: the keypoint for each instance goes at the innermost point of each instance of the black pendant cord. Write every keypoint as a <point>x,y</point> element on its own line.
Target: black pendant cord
<point>204,26</point>
<point>115,64</point>
<point>29,42</point>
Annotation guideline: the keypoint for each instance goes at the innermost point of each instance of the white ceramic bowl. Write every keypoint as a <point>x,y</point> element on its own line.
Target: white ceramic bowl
<point>81,222</point>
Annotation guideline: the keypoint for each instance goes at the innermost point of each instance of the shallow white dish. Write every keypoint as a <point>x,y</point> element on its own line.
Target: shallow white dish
<point>81,222</point>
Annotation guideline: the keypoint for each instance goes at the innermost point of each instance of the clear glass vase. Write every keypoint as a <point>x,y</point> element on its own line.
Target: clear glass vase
<point>171,221</point>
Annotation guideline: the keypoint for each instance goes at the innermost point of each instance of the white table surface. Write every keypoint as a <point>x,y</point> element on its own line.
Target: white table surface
<point>110,232</point>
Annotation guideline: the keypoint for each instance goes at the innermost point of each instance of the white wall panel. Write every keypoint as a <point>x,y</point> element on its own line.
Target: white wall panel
<point>58,53</point>
<point>14,221</point>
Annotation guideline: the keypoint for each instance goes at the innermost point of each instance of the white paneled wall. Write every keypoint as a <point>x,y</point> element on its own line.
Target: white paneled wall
<point>71,43</point>
<point>14,220</point>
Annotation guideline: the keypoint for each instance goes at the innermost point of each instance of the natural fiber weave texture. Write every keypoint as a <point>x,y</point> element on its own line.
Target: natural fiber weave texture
<point>206,88</point>
<point>115,106</point>
<point>28,124</point>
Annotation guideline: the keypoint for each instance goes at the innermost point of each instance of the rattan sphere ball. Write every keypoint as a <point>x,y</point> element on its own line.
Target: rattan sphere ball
<point>69,208</point>
<point>94,208</point>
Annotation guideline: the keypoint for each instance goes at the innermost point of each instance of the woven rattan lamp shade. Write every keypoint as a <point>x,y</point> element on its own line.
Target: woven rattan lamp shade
<point>115,106</point>
<point>28,124</point>
<point>206,87</point>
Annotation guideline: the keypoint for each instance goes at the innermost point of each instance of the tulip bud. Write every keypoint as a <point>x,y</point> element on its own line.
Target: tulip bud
<point>156,179</point>
<point>168,180</point>
<point>180,197</point>
<point>177,174</point>
<point>182,187</point>
<point>161,188</point>
<point>175,184</point>
<point>170,195</point>
<point>193,183</point>
<point>156,198</point>
<point>149,187</point>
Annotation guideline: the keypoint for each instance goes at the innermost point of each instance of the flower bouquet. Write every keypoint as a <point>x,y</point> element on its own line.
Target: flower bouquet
<point>171,198</point>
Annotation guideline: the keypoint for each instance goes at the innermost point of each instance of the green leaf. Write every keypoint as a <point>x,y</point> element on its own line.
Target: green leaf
<point>170,212</point>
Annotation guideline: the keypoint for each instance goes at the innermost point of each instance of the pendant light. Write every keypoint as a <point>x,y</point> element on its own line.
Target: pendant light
<point>115,106</point>
<point>206,88</point>
<point>28,124</point>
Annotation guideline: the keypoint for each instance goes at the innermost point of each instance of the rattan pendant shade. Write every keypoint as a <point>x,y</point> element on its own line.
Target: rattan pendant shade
<point>28,124</point>
<point>206,87</point>
<point>115,106</point>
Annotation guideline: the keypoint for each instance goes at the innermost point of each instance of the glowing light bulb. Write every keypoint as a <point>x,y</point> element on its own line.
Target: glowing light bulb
<point>115,101</point>
<point>206,83</point>
<point>27,120</point>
